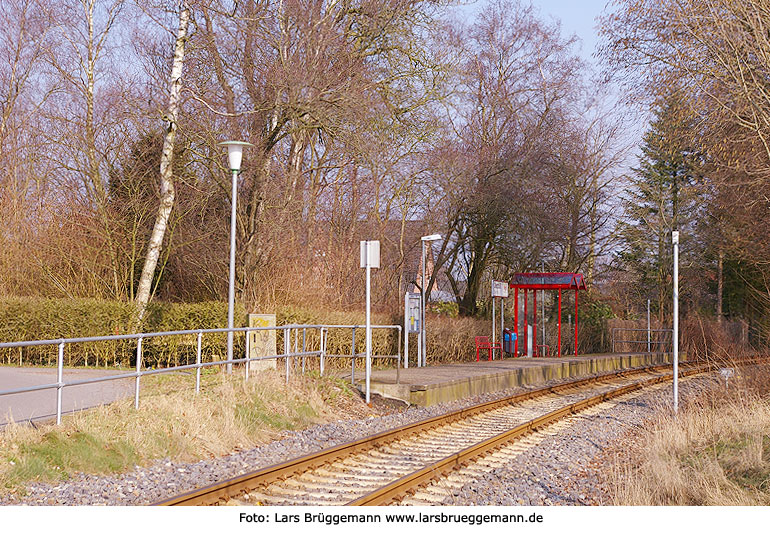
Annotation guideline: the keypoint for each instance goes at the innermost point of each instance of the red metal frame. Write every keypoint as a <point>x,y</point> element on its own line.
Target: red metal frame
<point>482,342</point>
<point>544,281</point>
<point>516,320</point>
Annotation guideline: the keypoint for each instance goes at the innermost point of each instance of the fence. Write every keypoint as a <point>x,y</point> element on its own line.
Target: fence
<point>288,354</point>
<point>624,339</point>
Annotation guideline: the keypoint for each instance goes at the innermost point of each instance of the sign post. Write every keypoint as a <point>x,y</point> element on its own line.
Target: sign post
<point>649,349</point>
<point>370,258</point>
<point>499,290</point>
<point>675,240</point>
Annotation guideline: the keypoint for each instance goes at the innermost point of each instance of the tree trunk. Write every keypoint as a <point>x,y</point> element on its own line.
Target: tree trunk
<point>166,171</point>
<point>720,284</point>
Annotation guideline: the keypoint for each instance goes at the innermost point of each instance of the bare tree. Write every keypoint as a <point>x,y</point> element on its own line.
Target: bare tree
<point>166,165</point>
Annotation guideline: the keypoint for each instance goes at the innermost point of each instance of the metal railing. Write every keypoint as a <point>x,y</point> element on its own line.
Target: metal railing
<point>646,343</point>
<point>288,355</point>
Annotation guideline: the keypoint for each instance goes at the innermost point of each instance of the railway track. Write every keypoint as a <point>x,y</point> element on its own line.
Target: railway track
<point>394,465</point>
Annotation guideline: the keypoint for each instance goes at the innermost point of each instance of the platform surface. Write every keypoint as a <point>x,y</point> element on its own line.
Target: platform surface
<point>429,385</point>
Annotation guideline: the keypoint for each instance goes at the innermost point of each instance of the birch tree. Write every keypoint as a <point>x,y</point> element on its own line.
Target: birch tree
<point>166,166</point>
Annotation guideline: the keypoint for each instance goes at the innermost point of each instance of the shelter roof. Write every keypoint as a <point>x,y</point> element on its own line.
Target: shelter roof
<point>548,281</point>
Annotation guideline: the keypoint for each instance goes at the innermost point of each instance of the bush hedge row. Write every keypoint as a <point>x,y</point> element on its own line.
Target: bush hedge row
<point>450,339</point>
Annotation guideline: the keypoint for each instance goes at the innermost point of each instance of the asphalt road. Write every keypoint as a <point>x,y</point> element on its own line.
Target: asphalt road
<point>41,405</point>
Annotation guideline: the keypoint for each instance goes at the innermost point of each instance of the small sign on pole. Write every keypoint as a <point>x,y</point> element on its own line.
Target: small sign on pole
<point>413,313</point>
<point>499,289</point>
<point>370,254</point>
<point>411,321</point>
<point>727,373</point>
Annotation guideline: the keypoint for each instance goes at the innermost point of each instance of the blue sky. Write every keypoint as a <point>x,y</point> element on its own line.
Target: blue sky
<point>577,17</point>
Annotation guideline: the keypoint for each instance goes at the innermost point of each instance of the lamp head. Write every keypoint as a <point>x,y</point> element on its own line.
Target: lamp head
<point>235,153</point>
<point>432,237</point>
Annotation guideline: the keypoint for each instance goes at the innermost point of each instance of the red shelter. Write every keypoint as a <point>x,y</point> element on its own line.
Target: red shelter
<point>539,281</point>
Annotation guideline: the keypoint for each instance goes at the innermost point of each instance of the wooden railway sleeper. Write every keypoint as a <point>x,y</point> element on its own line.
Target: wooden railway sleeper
<point>265,476</point>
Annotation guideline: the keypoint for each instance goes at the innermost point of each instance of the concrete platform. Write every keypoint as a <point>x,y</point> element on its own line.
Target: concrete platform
<point>425,386</point>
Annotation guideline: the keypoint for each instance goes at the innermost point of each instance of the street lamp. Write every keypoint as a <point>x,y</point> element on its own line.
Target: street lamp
<point>234,156</point>
<point>675,242</point>
<point>423,337</point>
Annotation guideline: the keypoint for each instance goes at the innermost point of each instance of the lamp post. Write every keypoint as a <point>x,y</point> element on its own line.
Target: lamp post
<point>675,242</point>
<point>234,156</point>
<point>423,338</point>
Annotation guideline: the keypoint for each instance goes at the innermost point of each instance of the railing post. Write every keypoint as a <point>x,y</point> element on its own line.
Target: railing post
<point>613,340</point>
<point>353,359</point>
<point>248,354</point>
<point>286,349</point>
<point>304,348</point>
<point>59,376</point>
<point>138,370</point>
<point>398,360</point>
<point>296,342</point>
<point>198,364</point>
<point>324,336</point>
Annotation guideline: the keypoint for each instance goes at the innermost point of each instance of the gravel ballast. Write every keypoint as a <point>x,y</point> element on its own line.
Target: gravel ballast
<point>558,471</point>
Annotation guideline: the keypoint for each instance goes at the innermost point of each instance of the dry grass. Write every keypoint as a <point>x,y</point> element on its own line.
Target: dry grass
<point>451,339</point>
<point>716,452</point>
<point>228,414</point>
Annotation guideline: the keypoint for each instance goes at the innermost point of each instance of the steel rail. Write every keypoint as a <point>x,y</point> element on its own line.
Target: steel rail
<point>413,481</point>
<point>408,483</point>
<point>230,488</point>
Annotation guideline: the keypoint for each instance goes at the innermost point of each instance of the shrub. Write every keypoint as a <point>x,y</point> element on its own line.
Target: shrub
<point>450,338</point>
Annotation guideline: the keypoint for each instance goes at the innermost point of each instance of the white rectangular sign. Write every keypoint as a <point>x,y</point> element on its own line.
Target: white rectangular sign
<point>373,260</point>
<point>413,313</point>
<point>499,289</point>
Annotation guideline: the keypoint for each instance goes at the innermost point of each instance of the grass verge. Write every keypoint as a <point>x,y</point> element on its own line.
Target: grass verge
<point>715,452</point>
<point>172,422</point>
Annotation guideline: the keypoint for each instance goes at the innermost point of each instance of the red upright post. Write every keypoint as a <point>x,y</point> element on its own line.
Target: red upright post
<point>526,331</point>
<point>516,321</point>
<point>576,320</point>
<point>559,342</point>
<point>534,322</point>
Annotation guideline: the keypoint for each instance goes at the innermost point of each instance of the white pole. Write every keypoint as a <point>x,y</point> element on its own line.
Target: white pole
<point>59,380</point>
<point>648,327</point>
<point>406,330</point>
<point>423,337</point>
<point>494,323</point>
<point>231,289</point>
<point>419,340</point>
<point>368,322</point>
<point>502,326</point>
<point>675,239</point>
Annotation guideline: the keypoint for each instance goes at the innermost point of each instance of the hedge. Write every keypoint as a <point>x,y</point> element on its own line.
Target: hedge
<point>450,338</point>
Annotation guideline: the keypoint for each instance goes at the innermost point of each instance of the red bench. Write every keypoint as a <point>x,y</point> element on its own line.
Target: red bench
<point>482,342</point>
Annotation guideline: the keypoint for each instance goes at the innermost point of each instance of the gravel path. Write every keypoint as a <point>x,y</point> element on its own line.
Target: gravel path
<point>557,472</point>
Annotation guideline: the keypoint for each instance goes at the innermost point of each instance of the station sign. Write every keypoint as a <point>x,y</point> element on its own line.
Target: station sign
<point>499,289</point>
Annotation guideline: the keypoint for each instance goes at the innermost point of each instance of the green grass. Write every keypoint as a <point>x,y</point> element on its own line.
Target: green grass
<point>58,455</point>
<point>172,422</point>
